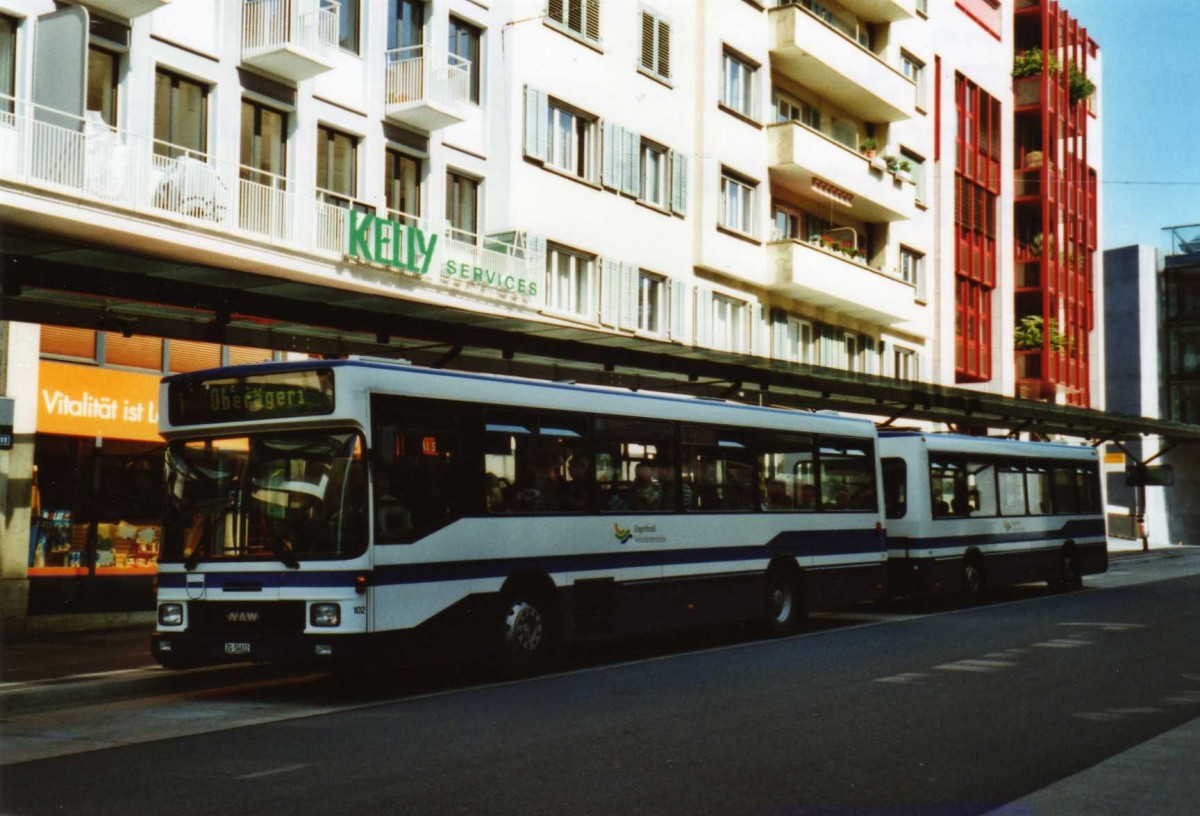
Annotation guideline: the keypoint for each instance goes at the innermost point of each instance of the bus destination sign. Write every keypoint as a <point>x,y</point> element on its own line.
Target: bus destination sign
<point>250,398</point>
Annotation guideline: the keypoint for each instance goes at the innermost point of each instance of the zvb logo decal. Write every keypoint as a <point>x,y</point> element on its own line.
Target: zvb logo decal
<point>621,535</point>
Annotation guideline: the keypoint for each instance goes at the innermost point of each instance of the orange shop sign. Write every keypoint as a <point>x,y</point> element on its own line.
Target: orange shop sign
<point>87,401</point>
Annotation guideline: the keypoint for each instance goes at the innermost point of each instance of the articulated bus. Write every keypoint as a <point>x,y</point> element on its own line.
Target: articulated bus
<point>967,513</point>
<point>358,508</point>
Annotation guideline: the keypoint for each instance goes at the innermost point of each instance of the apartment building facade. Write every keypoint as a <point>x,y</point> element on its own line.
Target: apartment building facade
<point>826,183</point>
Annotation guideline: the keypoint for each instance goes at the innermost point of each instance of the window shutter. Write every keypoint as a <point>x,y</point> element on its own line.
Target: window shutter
<point>592,30</point>
<point>648,31</point>
<point>664,49</point>
<point>537,114</point>
<point>704,307</point>
<point>678,306</point>
<point>760,332</point>
<point>779,326</point>
<point>628,297</point>
<point>554,9</point>
<point>679,183</point>
<point>611,176</point>
<point>633,161</point>
<point>535,263</point>
<point>610,292</point>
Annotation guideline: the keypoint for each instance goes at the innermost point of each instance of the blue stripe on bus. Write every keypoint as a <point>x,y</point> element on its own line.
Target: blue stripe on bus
<point>800,544</point>
<point>1077,528</point>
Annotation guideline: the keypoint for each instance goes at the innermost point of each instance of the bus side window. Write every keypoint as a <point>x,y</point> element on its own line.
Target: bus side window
<point>415,469</point>
<point>895,488</point>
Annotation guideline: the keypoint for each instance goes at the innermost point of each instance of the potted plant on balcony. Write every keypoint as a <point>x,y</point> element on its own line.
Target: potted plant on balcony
<point>1079,87</point>
<point>1035,246</point>
<point>1027,67</point>
<point>1028,336</point>
<point>904,171</point>
<point>868,146</point>
<point>1033,159</point>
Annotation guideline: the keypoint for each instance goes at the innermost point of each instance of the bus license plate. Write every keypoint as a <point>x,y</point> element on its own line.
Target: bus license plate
<point>237,648</point>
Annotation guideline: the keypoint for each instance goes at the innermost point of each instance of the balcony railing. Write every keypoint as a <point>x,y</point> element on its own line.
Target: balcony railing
<point>81,158</point>
<point>427,87</point>
<point>291,38</point>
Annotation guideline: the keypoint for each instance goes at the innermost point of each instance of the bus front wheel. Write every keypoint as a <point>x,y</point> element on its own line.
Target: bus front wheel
<point>528,630</point>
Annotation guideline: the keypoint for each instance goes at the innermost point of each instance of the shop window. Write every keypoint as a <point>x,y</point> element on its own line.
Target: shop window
<point>189,355</point>
<point>243,355</point>
<point>138,351</point>
<point>63,341</point>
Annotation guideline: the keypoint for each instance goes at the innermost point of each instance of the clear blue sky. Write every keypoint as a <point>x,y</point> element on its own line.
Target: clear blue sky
<point>1151,114</point>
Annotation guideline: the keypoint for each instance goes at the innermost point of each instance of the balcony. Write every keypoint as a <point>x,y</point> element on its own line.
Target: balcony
<point>83,161</point>
<point>808,162</point>
<point>822,58</point>
<point>127,8</point>
<point>427,88</point>
<point>294,39</point>
<point>831,280</point>
<point>880,11</point>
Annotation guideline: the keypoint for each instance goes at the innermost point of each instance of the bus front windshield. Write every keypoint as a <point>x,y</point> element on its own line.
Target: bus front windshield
<point>285,496</point>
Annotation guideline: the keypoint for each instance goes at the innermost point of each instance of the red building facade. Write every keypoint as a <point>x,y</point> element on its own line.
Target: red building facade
<point>1055,213</point>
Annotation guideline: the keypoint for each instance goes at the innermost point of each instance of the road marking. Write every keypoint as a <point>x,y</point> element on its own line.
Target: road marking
<point>1183,698</point>
<point>1096,716</point>
<point>273,771</point>
<point>907,678</point>
<point>965,666</point>
<point>1140,710</point>
<point>1062,643</point>
<point>1110,627</point>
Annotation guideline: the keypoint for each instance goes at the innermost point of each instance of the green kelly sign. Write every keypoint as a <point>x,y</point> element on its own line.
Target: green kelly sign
<point>382,241</point>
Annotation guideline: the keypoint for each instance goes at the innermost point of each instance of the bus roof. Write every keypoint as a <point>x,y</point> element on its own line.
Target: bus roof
<point>992,445</point>
<point>851,425</point>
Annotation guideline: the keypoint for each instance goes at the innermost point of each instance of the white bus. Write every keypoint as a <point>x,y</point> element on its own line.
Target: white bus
<point>967,513</point>
<point>329,509</point>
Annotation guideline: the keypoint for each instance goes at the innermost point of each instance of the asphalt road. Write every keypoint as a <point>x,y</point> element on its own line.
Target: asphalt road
<point>949,713</point>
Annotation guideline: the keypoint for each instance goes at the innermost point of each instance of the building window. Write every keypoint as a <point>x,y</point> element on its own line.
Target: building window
<point>904,364</point>
<point>790,109</point>
<point>102,72</point>
<point>408,24</point>
<point>652,303</point>
<point>8,63</point>
<point>571,275</point>
<point>912,270</point>
<point>579,17</point>
<point>798,341</point>
<point>337,165</point>
<point>785,224</point>
<point>462,207</point>
<point>348,16</point>
<point>738,85</point>
<point>854,353</point>
<point>656,45</point>
<point>729,324</point>
<point>180,116</point>
<point>264,144</point>
<point>402,186</point>
<point>916,165</point>
<point>654,175</point>
<point>737,203</point>
<point>572,142</point>
<point>914,69</point>
<point>464,42</point>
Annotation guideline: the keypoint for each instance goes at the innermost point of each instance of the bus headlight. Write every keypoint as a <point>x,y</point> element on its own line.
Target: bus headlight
<point>325,614</point>
<point>170,614</point>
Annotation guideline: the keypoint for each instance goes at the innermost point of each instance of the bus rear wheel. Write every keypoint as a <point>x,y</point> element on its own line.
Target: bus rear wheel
<point>784,605</point>
<point>972,578</point>
<point>1070,578</point>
